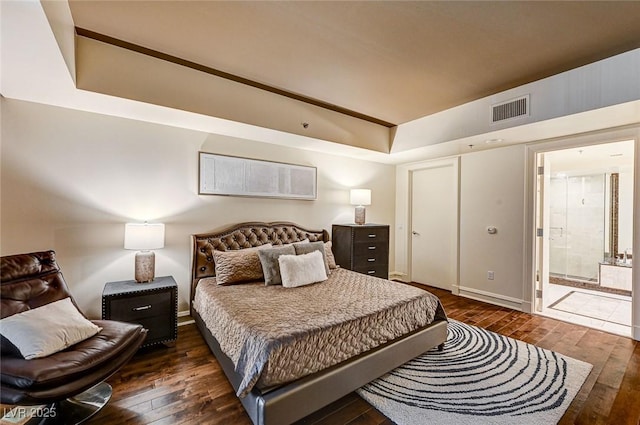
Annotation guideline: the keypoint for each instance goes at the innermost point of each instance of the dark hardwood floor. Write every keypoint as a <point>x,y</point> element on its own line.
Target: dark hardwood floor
<point>184,384</point>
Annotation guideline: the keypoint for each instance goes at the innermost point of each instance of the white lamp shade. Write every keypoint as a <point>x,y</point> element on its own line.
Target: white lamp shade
<point>360,196</point>
<point>143,236</point>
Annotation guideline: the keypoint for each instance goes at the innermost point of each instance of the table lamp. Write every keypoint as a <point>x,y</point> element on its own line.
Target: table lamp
<point>144,237</point>
<point>360,197</point>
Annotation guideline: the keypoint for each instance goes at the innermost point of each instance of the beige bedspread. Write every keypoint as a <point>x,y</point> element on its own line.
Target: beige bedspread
<point>275,335</point>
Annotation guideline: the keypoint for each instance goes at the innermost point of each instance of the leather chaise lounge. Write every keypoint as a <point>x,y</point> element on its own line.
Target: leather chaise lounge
<point>71,381</point>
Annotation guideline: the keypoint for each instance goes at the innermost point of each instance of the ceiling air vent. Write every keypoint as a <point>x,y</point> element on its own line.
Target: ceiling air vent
<point>513,108</point>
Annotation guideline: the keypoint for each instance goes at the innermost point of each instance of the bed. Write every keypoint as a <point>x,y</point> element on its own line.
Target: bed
<point>263,336</point>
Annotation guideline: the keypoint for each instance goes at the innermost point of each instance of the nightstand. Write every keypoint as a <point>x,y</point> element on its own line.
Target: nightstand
<point>362,248</point>
<point>154,305</point>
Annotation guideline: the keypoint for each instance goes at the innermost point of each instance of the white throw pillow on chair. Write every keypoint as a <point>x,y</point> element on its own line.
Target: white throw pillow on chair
<point>47,329</point>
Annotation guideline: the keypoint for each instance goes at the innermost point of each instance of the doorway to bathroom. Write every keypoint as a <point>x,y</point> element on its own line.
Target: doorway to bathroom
<point>585,235</point>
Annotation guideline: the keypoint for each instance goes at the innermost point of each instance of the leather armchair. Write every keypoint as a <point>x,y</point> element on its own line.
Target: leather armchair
<point>72,379</point>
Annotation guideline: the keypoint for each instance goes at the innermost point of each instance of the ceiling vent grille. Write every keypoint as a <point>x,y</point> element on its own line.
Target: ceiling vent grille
<point>510,109</point>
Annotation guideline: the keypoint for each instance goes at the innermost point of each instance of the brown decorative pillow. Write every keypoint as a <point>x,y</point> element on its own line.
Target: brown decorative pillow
<point>331,260</point>
<point>270,265</point>
<point>235,266</point>
<point>306,248</point>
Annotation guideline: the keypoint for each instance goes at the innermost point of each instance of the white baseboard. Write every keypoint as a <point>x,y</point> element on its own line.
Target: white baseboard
<point>185,313</point>
<point>398,276</point>
<point>491,298</point>
<point>527,307</point>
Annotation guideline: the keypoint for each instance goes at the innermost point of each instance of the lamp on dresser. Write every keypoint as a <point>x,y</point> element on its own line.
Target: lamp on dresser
<point>144,237</point>
<point>360,198</point>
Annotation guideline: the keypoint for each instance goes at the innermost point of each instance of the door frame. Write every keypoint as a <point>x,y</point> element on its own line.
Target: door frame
<point>403,240</point>
<point>543,179</point>
<point>631,132</point>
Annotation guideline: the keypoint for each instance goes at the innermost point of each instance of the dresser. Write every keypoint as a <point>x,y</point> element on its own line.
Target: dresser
<point>154,305</point>
<point>362,248</point>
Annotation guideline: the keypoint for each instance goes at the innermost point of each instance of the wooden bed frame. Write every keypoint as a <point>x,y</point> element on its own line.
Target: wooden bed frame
<point>287,403</point>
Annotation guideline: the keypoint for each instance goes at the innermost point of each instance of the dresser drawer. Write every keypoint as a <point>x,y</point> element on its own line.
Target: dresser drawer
<point>378,270</point>
<point>364,253</point>
<point>371,234</point>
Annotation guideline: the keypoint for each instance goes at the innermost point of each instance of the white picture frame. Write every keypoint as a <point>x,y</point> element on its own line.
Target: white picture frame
<point>236,176</point>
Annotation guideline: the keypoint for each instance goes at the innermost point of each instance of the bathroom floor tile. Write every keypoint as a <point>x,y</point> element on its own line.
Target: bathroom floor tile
<point>607,312</point>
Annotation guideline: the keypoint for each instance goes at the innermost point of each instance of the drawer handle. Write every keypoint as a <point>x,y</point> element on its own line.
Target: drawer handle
<point>371,260</point>
<point>144,307</point>
<point>371,272</point>
<point>372,235</point>
<point>372,247</point>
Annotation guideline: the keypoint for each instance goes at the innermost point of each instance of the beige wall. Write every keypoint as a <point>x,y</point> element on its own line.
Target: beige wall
<point>70,180</point>
<point>492,193</point>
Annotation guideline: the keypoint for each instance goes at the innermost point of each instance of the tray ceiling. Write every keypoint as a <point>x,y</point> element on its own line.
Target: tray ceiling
<point>390,61</point>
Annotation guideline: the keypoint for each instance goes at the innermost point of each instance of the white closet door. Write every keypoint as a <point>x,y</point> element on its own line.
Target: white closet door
<point>434,226</point>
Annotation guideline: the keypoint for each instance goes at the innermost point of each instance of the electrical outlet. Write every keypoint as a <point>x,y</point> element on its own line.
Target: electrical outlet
<point>490,275</point>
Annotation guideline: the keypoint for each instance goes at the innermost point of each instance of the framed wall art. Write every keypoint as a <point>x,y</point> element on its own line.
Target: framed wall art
<point>235,176</point>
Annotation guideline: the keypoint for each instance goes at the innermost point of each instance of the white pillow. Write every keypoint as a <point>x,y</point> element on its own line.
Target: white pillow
<point>48,329</point>
<point>304,269</point>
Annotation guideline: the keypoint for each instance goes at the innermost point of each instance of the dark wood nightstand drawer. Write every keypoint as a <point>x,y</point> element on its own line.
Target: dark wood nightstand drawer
<point>159,328</point>
<point>132,309</point>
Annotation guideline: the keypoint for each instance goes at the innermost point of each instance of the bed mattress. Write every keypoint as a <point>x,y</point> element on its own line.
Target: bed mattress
<point>275,335</point>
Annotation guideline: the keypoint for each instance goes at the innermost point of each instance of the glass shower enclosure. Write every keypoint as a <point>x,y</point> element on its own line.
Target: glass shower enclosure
<point>577,226</point>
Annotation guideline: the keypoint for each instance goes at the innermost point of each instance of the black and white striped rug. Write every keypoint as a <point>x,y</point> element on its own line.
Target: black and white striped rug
<point>480,378</point>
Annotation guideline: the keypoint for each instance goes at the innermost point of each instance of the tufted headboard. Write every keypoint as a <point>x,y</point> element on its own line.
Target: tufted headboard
<point>240,236</point>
